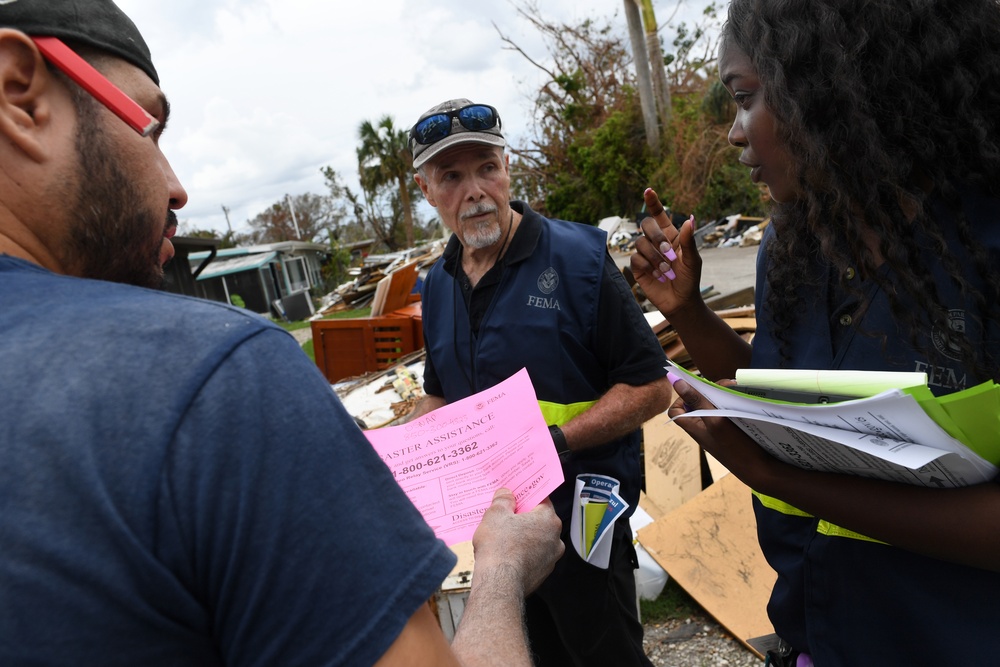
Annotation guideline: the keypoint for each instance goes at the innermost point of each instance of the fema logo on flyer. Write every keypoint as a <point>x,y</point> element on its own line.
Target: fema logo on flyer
<point>548,281</point>
<point>956,321</point>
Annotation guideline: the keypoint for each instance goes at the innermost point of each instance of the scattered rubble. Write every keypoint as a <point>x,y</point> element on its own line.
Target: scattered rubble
<point>736,230</point>
<point>360,291</point>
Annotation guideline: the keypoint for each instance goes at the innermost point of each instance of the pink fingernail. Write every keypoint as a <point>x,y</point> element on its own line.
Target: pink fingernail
<point>662,278</point>
<point>673,377</point>
<point>670,274</point>
<point>669,252</point>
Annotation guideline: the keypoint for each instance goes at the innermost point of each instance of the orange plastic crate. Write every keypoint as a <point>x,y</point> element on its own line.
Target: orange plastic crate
<point>351,347</point>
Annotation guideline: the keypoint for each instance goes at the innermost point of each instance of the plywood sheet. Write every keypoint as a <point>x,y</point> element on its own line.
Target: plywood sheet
<point>673,471</point>
<point>742,323</point>
<point>396,291</point>
<point>649,507</point>
<point>709,547</point>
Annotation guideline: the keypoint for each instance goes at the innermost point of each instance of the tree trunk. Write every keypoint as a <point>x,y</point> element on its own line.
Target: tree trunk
<point>404,200</point>
<point>659,73</point>
<point>646,97</point>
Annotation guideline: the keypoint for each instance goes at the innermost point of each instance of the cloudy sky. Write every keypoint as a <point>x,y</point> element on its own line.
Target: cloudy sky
<point>266,92</point>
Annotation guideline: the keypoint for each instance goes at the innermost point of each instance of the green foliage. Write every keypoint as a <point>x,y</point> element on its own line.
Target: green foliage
<point>347,224</point>
<point>589,158</point>
<point>611,163</point>
<point>385,168</point>
<point>729,190</point>
<point>334,271</point>
<point>717,105</point>
<point>237,300</point>
<point>585,86</point>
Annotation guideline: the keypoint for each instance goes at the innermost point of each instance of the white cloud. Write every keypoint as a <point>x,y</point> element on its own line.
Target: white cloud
<point>266,92</point>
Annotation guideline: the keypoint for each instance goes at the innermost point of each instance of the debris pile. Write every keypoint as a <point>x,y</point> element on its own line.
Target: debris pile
<point>735,230</point>
<point>359,292</point>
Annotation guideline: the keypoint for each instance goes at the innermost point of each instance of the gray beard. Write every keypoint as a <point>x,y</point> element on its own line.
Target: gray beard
<point>484,236</point>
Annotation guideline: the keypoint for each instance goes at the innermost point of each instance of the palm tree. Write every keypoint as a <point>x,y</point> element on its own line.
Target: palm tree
<point>384,158</point>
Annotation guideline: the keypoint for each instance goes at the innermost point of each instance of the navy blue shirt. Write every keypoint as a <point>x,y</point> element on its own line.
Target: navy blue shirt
<point>179,485</point>
<point>623,340</point>
<point>849,601</point>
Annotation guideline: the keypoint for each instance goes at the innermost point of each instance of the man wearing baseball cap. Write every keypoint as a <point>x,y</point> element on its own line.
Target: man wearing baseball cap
<point>178,484</point>
<point>514,290</point>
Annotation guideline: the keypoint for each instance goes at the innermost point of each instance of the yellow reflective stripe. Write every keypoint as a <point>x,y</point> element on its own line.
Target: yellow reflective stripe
<point>780,506</point>
<point>832,530</point>
<point>559,413</point>
<point>823,528</point>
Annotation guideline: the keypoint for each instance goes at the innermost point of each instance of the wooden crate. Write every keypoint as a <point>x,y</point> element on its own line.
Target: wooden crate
<point>351,347</point>
<point>414,312</point>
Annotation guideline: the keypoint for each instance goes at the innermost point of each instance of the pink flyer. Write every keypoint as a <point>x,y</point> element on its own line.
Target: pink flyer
<point>451,461</point>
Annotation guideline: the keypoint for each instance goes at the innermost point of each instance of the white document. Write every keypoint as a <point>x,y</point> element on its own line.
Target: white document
<point>887,436</point>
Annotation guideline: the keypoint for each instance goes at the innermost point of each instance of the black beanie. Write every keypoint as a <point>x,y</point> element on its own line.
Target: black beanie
<point>96,23</point>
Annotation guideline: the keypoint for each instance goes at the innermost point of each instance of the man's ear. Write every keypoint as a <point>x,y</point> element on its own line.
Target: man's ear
<point>25,93</point>
<point>423,188</point>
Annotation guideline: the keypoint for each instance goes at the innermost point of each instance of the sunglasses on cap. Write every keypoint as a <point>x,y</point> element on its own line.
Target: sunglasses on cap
<point>474,117</point>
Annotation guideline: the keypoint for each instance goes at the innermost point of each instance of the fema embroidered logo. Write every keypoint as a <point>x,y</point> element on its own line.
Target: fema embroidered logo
<point>956,322</point>
<point>548,281</point>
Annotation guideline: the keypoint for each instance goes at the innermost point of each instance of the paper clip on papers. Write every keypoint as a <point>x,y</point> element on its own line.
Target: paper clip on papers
<point>95,83</point>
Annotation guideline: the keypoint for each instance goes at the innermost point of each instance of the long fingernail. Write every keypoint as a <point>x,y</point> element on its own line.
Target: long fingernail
<point>667,251</point>
<point>670,274</point>
<point>673,377</point>
<point>662,278</point>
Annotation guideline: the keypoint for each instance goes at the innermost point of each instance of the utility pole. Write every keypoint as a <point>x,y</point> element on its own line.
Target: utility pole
<point>225,209</point>
<point>642,75</point>
<point>660,85</point>
<point>298,235</point>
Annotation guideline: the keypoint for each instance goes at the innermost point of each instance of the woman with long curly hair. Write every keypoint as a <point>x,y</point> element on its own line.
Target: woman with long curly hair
<point>874,125</point>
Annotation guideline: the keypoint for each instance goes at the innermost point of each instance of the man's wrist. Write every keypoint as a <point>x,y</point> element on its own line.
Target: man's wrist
<point>559,439</point>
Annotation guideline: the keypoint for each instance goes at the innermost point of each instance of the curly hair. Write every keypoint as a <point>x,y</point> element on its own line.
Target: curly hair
<point>886,105</point>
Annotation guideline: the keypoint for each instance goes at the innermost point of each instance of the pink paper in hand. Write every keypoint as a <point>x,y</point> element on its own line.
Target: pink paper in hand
<point>451,461</point>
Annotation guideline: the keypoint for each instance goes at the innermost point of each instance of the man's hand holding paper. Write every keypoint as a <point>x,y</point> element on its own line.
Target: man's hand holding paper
<point>451,461</point>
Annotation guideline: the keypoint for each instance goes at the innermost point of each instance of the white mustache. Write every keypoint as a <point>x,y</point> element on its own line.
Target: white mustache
<point>478,209</point>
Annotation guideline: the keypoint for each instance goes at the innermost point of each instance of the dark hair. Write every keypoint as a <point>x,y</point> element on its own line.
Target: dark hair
<point>887,106</point>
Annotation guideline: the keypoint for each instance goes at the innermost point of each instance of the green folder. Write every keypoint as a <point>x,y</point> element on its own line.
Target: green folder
<point>593,514</point>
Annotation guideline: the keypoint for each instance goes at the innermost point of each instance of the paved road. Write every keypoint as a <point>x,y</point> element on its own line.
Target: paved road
<point>727,269</point>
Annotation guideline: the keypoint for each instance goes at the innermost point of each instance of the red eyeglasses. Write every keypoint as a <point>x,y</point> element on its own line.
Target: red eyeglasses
<point>95,83</point>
